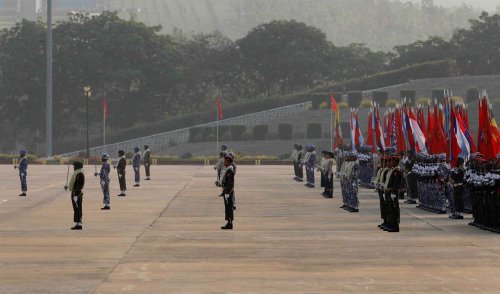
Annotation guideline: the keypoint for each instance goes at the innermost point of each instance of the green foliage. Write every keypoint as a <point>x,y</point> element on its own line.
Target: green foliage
<point>260,132</point>
<point>366,104</point>
<point>477,48</point>
<point>354,99</point>
<point>285,131</point>
<point>380,97</point>
<point>472,95</point>
<point>392,103</point>
<point>314,131</point>
<point>237,132</point>
<point>423,101</point>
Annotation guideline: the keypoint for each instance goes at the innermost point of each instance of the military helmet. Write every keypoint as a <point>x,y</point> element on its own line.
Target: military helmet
<point>121,153</point>
<point>137,149</point>
<point>77,164</point>
<point>23,152</point>
<point>104,156</point>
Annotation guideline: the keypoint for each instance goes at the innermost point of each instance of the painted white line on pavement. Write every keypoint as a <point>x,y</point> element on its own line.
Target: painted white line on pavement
<point>48,187</point>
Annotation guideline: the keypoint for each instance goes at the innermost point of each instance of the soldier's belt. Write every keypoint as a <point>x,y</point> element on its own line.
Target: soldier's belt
<point>458,185</point>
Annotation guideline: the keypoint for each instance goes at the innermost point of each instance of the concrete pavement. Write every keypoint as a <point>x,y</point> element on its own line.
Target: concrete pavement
<point>165,237</point>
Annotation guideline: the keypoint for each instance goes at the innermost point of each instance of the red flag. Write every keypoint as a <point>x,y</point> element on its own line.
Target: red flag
<point>439,139</point>
<point>105,108</point>
<point>219,108</point>
<point>400,137</point>
<point>333,102</point>
<point>369,139</point>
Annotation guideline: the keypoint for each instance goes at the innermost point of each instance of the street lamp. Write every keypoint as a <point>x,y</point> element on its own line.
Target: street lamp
<point>87,91</point>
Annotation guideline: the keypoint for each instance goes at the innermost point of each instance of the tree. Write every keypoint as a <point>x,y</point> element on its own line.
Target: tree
<point>284,56</point>
<point>432,49</point>
<point>478,48</point>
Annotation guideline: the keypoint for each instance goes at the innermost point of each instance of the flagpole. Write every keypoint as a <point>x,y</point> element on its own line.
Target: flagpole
<point>217,131</point>
<point>331,128</point>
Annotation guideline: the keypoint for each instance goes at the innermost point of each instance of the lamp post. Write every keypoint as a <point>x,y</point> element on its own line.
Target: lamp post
<point>88,91</point>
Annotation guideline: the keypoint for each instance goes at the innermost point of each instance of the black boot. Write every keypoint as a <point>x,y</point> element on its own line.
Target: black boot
<point>228,226</point>
<point>22,194</point>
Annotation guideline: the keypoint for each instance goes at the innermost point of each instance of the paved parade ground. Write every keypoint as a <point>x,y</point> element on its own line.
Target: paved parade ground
<point>165,237</point>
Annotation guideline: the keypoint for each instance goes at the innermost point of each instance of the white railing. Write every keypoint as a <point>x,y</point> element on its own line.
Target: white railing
<point>177,137</point>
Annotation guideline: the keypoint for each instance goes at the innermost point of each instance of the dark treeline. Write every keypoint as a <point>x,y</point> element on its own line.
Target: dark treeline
<point>147,76</point>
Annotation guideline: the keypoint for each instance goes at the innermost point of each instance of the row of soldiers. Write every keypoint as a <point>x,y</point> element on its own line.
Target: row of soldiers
<point>77,181</point>
<point>309,161</point>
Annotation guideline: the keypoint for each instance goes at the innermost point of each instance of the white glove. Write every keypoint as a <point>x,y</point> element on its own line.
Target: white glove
<point>22,174</point>
<point>103,183</point>
<point>226,196</point>
<point>120,176</point>
<point>75,199</point>
<point>136,168</point>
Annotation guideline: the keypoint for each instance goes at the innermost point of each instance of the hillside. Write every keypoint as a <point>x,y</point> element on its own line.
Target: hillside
<point>385,24</point>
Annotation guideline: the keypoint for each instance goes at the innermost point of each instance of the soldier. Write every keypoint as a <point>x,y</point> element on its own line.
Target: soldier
<point>379,182</point>
<point>136,164</point>
<point>350,182</point>
<point>392,186</point>
<point>228,192</point>
<point>320,167</point>
<point>293,157</point>
<point>120,168</point>
<point>457,182</point>
<point>310,164</point>
<point>218,167</point>
<point>300,169</point>
<point>76,184</point>
<point>23,171</point>
<point>104,177</point>
<point>411,179</point>
<point>328,171</point>
<point>147,162</point>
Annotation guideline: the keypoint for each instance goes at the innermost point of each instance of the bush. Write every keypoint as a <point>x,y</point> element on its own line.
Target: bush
<point>314,131</point>
<point>392,103</point>
<point>472,95</point>
<point>380,97</point>
<point>354,99</point>
<point>366,104</point>
<point>237,132</point>
<point>343,105</point>
<point>285,131</point>
<point>424,101</point>
<point>409,95</point>
<point>260,132</point>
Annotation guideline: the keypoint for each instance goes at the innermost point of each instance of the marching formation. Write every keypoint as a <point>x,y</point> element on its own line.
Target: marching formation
<point>436,166</point>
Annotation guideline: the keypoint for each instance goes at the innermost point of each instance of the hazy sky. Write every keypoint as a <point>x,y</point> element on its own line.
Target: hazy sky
<point>484,4</point>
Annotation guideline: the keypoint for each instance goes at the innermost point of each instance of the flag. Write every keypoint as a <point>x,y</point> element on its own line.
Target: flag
<point>378,131</point>
<point>338,131</point>
<point>496,134</point>
<point>219,108</point>
<point>408,130</point>
<point>439,138</point>
<point>420,139</point>
<point>400,139</point>
<point>487,144</point>
<point>333,103</point>
<point>369,139</point>
<point>456,141</point>
<point>105,108</point>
